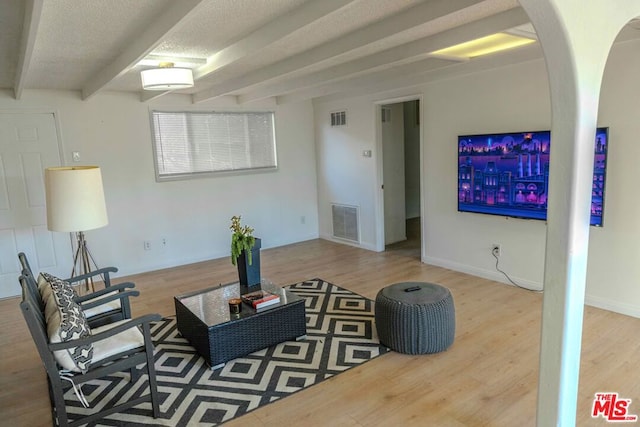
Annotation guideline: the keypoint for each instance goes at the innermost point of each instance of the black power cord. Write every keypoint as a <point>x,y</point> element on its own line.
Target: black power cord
<point>493,252</point>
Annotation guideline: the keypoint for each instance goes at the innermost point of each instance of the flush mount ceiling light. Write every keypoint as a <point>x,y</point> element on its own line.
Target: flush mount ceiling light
<point>166,77</point>
<point>483,46</point>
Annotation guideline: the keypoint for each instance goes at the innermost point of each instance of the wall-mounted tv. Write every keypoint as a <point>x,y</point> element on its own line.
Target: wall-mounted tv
<point>508,174</point>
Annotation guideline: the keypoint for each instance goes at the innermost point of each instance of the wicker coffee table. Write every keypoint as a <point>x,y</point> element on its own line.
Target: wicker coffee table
<point>204,319</point>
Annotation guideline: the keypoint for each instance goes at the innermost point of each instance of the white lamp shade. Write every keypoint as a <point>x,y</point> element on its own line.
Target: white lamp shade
<point>167,78</point>
<point>75,198</point>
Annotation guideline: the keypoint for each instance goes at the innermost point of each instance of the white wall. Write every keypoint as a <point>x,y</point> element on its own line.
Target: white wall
<point>345,176</point>
<point>514,98</point>
<point>505,100</point>
<point>112,130</point>
<point>613,274</point>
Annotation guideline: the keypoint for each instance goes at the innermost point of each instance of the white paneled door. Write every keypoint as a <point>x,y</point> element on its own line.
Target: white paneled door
<point>28,144</point>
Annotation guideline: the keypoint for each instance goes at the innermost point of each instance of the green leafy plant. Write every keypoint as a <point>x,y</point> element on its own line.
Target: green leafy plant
<point>241,239</point>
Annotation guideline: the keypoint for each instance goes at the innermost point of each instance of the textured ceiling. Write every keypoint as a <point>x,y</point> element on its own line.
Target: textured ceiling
<point>220,23</point>
<point>76,38</point>
<point>250,49</point>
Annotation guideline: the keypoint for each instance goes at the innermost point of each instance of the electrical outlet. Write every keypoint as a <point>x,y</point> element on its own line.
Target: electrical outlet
<point>164,241</point>
<point>147,245</point>
<point>495,249</point>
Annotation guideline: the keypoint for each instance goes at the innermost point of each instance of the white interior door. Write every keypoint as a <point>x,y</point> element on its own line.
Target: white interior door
<point>28,144</point>
<point>393,173</point>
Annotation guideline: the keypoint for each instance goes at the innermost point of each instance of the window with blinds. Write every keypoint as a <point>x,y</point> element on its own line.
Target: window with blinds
<point>189,144</point>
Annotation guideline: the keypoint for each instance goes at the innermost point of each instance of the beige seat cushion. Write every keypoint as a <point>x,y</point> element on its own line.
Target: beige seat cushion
<point>126,340</point>
<point>103,308</point>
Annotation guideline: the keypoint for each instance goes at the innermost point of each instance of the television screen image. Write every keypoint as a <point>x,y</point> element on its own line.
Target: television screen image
<point>508,174</point>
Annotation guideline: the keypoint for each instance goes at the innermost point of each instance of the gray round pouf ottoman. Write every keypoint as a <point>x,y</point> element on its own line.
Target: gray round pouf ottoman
<point>415,317</point>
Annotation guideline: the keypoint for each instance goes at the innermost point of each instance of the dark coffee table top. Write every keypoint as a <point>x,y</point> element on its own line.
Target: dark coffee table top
<point>211,305</point>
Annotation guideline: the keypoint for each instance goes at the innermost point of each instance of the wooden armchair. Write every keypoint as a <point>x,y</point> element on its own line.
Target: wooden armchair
<point>101,307</point>
<point>116,347</point>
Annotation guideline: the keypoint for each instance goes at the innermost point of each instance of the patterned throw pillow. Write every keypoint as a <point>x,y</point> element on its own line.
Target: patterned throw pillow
<point>73,324</point>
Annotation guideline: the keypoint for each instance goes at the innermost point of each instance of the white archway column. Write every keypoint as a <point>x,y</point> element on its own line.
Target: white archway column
<point>576,37</point>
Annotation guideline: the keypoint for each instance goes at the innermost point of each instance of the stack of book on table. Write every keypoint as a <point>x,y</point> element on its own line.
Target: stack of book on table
<point>260,299</point>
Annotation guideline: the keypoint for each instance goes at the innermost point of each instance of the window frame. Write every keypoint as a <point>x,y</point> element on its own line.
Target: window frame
<point>210,173</point>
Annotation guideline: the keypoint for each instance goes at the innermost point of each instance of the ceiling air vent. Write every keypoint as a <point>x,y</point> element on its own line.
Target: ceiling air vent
<point>345,222</point>
<point>339,118</point>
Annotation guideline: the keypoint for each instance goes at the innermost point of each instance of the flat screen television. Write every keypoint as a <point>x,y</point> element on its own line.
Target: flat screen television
<point>508,174</point>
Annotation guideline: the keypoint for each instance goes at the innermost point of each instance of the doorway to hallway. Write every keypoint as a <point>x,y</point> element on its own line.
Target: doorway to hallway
<point>400,137</point>
<point>411,246</point>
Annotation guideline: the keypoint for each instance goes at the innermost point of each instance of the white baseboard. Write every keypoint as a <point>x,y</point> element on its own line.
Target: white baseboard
<point>615,306</point>
<point>179,261</point>
<point>481,272</point>
<point>283,242</point>
<point>367,246</point>
<point>593,301</point>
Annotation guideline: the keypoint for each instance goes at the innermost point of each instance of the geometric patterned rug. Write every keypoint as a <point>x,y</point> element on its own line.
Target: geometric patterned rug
<point>341,334</point>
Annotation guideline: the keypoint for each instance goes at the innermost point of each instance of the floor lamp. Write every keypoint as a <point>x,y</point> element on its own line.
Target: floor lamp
<point>75,204</point>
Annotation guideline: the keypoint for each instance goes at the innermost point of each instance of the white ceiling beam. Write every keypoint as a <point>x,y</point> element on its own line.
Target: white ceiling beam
<point>271,32</point>
<point>370,81</point>
<point>143,43</point>
<point>491,62</point>
<point>32,14</point>
<point>415,16</point>
<point>150,95</point>
<point>413,76</point>
<point>397,55</point>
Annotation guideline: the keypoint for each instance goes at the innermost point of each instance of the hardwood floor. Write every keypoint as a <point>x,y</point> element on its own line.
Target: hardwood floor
<point>488,377</point>
<point>409,248</point>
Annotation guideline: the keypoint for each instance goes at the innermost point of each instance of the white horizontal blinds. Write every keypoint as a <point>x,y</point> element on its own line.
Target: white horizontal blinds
<point>172,142</point>
<point>262,135</point>
<point>197,142</point>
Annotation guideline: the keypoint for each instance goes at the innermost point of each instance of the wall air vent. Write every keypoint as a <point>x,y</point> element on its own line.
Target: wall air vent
<point>345,222</point>
<point>338,118</point>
